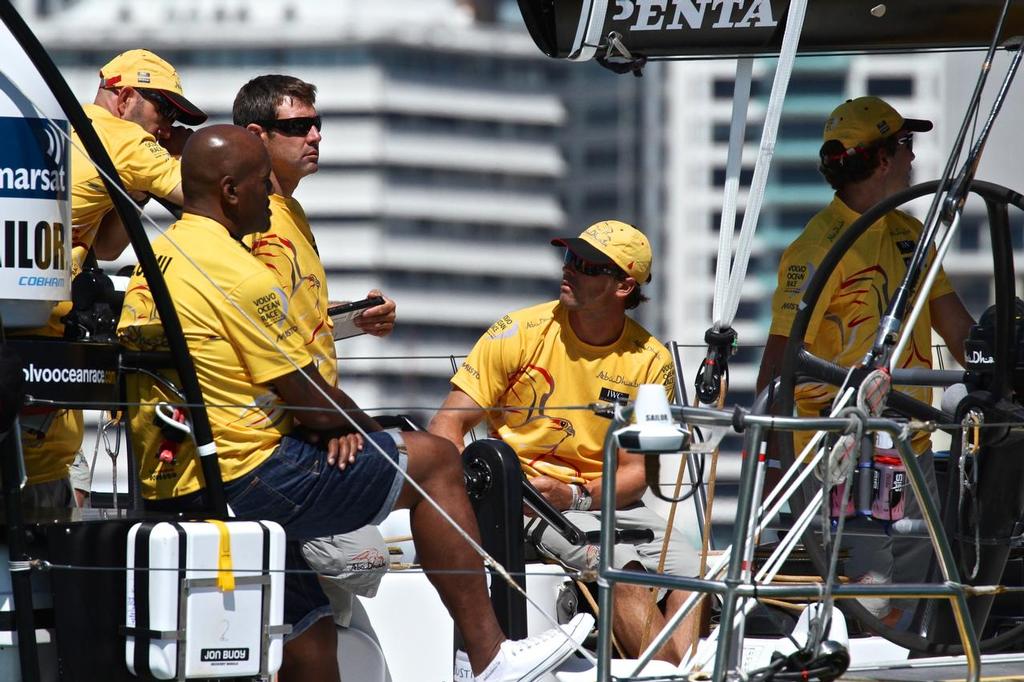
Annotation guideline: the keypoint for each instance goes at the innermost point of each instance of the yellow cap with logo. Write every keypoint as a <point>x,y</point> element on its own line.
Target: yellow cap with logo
<point>612,241</point>
<point>863,121</point>
<point>144,70</point>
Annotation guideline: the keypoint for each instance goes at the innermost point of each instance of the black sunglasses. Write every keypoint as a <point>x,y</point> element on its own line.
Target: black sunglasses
<point>293,127</point>
<point>163,106</point>
<point>907,139</point>
<point>584,267</point>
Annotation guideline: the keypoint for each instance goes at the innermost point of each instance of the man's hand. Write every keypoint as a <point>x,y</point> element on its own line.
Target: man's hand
<point>341,451</point>
<point>378,320</point>
<point>554,491</point>
<point>174,138</point>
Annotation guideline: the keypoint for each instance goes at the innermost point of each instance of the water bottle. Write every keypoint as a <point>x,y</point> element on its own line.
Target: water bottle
<point>836,499</point>
<point>889,481</point>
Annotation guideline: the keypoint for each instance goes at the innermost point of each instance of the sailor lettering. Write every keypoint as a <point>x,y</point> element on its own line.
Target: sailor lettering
<point>38,245</point>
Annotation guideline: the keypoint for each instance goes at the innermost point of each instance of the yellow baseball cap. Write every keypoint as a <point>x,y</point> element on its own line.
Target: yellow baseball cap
<point>143,70</point>
<point>863,121</point>
<point>612,241</point>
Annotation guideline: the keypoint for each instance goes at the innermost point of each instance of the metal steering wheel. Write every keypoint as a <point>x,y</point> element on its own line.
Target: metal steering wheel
<point>798,362</point>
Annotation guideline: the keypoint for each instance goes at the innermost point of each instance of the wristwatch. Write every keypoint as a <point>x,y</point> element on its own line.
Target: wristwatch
<point>582,500</point>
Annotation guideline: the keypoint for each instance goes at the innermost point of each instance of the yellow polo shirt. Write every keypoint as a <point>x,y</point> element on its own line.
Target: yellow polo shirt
<point>289,251</point>
<point>844,323</point>
<point>51,440</point>
<point>235,321</point>
<point>532,364</point>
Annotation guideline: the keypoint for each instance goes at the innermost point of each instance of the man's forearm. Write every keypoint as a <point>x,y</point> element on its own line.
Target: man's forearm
<point>352,414</point>
<point>450,429</point>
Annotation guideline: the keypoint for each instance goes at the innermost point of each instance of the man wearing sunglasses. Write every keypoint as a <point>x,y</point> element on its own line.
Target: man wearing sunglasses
<point>866,156</point>
<point>137,104</point>
<point>541,365</point>
<point>138,100</point>
<point>281,111</point>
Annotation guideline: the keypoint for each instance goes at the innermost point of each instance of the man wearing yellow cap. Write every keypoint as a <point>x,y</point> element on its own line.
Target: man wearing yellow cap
<point>540,364</point>
<point>866,157</point>
<point>137,103</point>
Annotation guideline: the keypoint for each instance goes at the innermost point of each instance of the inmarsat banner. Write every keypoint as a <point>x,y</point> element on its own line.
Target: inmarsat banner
<point>35,205</point>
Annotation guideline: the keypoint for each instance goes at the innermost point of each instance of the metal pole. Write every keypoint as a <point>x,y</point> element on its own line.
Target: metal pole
<point>607,553</point>
<point>727,656</point>
<point>21,574</point>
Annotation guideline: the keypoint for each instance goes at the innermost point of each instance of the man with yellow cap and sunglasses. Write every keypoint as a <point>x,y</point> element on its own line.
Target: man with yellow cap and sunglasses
<point>138,101</point>
<point>866,156</point>
<point>536,366</point>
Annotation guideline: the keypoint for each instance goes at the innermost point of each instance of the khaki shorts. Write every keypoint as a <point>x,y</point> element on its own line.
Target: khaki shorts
<point>680,559</point>
<point>349,564</point>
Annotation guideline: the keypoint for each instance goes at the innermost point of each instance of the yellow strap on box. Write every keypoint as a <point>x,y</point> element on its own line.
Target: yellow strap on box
<point>225,574</point>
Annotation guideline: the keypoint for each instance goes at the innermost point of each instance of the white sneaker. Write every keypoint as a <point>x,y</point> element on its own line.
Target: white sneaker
<point>527,660</point>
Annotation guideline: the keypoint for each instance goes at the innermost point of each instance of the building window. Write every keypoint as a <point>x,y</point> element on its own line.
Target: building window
<point>819,85</point>
<point>889,86</point>
<point>797,174</point>
<point>718,177</point>
<point>604,157</point>
<point>716,221</point>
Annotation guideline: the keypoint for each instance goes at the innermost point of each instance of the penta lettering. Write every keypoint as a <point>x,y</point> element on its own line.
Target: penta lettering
<point>39,248</point>
<point>652,15</point>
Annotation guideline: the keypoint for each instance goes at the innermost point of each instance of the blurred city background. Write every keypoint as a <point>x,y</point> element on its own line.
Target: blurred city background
<point>453,150</point>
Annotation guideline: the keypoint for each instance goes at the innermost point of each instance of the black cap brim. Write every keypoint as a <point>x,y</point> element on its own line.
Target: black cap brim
<point>190,114</point>
<point>917,125</point>
<point>584,249</point>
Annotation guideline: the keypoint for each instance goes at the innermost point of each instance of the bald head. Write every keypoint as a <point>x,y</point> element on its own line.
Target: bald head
<point>225,175</point>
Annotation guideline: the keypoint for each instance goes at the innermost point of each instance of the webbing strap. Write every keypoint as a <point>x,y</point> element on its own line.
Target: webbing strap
<point>724,313</point>
<point>225,572</point>
<point>142,624</point>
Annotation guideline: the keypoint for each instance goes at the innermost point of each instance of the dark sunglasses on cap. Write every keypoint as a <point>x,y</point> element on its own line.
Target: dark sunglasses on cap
<point>293,127</point>
<point>163,106</point>
<point>584,267</point>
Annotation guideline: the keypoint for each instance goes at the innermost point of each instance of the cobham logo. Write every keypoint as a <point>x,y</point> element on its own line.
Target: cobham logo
<point>675,15</point>
<point>66,375</point>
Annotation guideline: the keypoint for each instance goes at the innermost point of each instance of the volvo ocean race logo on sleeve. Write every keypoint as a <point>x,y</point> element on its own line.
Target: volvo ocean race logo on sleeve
<point>35,209</point>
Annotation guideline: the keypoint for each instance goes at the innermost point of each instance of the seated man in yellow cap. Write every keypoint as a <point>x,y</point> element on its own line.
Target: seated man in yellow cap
<point>136,105</point>
<point>577,350</point>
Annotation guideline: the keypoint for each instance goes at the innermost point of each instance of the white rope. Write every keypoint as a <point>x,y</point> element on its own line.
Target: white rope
<point>733,166</point>
<point>725,315</point>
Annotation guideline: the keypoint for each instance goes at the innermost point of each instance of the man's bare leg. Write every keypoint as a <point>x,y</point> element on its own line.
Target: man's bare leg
<point>313,655</point>
<point>436,466</point>
<point>633,607</point>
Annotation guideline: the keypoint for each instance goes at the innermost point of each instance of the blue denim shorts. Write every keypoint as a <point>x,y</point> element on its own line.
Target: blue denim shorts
<point>309,498</point>
<point>297,488</point>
